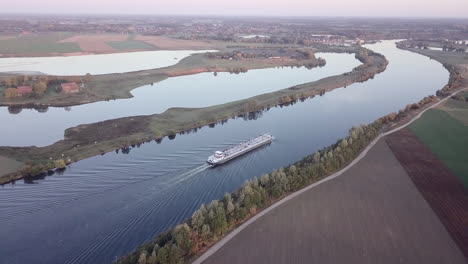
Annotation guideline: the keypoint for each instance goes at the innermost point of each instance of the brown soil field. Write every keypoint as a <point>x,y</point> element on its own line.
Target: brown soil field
<point>439,186</point>
<point>95,43</point>
<point>372,213</point>
<point>174,44</point>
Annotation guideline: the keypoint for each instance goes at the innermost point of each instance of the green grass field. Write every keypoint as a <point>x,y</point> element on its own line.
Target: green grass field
<point>457,109</point>
<point>447,137</point>
<point>38,44</point>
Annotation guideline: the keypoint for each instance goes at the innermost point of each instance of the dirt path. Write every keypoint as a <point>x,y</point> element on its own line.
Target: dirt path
<point>235,232</point>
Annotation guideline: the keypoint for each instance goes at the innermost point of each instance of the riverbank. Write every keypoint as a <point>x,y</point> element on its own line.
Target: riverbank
<point>114,86</point>
<point>457,85</point>
<point>260,196</point>
<point>359,206</point>
<point>401,120</point>
<point>93,139</point>
<point>415,115</point>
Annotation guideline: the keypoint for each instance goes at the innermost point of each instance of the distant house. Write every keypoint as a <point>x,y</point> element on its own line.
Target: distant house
<point>24,90</point>
<point>70,87</point>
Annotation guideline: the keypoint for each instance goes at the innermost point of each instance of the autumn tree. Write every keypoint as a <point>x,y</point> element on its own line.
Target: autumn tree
<point>209,223</point>
<point>163,254</point>
<point>11,92</point>
<point>182,237</point>
<point>142,259</point>
<point>88,77</point>
<point>60,164</point>
<point>228,203</point>
<point>175,255</point>
<point>206,233</point>
<point>7,83</point>
<point>197,221</point>
<point>39,88</point>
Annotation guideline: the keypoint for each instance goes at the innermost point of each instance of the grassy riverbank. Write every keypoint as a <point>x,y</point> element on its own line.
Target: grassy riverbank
<point>212,222</point>
<point>209,224</point>
<point>116,86</point>
<point>93,139</point>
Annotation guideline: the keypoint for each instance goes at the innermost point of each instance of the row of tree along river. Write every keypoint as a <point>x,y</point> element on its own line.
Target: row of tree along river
<point>103,207</point>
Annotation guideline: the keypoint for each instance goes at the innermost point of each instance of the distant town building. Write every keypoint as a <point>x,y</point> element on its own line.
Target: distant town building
<point>24,90</point>
<point>70,87</point>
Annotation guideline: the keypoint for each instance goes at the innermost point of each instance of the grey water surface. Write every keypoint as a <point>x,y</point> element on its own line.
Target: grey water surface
<point>103,207</point>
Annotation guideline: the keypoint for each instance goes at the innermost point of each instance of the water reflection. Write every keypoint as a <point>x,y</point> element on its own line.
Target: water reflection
<point>103,207</point>
<point>192,91</point>
<point>250,116</point>
<point>96,64</point>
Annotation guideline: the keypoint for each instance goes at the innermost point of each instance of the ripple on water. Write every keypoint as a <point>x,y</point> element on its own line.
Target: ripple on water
<point>105,206</point>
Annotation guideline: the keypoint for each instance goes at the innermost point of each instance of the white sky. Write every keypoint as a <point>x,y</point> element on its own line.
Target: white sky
<point>400,8</point>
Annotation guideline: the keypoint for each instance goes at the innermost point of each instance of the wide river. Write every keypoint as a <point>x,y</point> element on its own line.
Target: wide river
<point>105,206</point>
<point>198,90</point>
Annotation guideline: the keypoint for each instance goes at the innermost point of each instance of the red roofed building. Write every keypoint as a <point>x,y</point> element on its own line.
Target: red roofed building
<point>24,90</point>
<point>70,87</point>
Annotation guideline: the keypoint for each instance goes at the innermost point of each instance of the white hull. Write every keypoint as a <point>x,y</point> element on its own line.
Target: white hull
<point>241,149</point>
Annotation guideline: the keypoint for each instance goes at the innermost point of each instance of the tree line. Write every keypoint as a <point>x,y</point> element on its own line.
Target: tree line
<point>211,222</point>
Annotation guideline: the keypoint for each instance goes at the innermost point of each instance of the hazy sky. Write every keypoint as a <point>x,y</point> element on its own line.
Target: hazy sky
<point>420,8</point>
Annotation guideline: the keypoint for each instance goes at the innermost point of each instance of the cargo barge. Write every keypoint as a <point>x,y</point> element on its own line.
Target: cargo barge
<point>220,157</point>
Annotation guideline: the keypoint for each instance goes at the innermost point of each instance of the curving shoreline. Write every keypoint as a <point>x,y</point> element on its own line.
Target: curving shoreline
<point>236,231</point>
<point>114,86</point>
<point>93,139</point>
<point>458,82</point>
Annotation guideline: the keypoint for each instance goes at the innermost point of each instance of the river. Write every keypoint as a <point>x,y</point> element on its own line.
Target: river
<point>96,64</point>
<point>105,206</point>
<point>200,90</point>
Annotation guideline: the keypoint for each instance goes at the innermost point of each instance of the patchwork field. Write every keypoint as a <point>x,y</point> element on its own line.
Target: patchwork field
<point>95,43</point>
<point>174,44</point>
<point>36,45</point>
<point>440,187</point>
<point>63,43</point>
<point>373,213</point>
<point>447,138</point>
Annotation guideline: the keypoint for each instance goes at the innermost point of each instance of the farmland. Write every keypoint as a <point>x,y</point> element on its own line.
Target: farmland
<point>400,201</point>
<point>95,43</point>
<point>356,218</point>
<point>37,45</point>
<point>439,186</point>
<point>166,43</point>
<point>457,109</point>
<point>67,44</point>
<point>130,44</point>
<point>447,138</point>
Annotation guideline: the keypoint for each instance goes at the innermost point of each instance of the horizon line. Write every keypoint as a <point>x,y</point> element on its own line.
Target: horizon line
<point>233,15</point>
